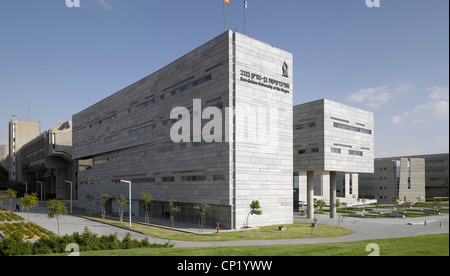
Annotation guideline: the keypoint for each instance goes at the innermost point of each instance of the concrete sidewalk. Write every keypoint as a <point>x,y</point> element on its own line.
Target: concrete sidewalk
<point>70,224</point>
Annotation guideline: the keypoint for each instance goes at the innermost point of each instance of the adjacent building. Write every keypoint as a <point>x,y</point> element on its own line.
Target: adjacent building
<point>214,127</point>
<point>20,133</point>
<point>395,180</point>
<point>46,162</point>
<point>436,174</point>
<point>330,139</point>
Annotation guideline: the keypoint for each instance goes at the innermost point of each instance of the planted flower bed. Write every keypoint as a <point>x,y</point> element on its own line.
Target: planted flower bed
<point>8,216</point>
<point>22,230</point>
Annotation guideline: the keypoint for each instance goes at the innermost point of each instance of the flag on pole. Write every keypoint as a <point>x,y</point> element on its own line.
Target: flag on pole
<point>228,2</point>
<point>245,4</point>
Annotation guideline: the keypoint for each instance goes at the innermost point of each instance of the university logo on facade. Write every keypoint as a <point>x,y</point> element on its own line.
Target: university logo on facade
<point>285,70</point>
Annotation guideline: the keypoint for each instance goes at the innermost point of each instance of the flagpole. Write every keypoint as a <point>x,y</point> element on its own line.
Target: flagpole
<point>245,16</point>
<point>224,17</point>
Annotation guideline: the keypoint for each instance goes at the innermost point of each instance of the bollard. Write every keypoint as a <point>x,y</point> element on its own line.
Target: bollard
<point>442,224</point>
<point>218,223</point>
<point>425,223</point>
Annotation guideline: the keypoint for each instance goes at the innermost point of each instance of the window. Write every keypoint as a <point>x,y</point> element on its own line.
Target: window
<point>335,150</point>
<point>110,139</point>
<point>314,150</point>
<point>168,179</point>
<point>218,177</point>
<point>355,152</point>
<point>302,151</point>
<point>352,128</point>
<point>190,85</point>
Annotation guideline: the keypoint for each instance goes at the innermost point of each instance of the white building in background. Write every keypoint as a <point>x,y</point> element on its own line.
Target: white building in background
<point>331,139</point>
<point>395,179</point>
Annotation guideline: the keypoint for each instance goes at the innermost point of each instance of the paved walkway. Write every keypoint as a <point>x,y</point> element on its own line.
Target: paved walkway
<point>363,229</point>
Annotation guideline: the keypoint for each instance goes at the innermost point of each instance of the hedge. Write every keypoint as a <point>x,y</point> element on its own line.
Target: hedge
<point>87,241</point>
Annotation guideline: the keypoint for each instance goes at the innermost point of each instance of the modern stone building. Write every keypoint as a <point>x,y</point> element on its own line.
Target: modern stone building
<point>174,135</point>
<point>20,133</point>
<point>401,179</point>
<point>331,139</point>
<point>47,159</point>
<point>436,174</point>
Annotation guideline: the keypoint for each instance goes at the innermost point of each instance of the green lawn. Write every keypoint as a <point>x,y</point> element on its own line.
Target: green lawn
<point>428,245</point>
<point>298,230</point>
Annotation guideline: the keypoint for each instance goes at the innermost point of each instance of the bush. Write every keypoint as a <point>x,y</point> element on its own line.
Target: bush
<point>15,246</point>
<point>87,241</point>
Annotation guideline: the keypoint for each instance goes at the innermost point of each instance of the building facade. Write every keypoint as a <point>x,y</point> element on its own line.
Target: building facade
<point>214,127</point>
<point>436,174</point>
<point>331,139</point>
<point>395,180</point>
<point>20,133</point>
<point>46,162</point>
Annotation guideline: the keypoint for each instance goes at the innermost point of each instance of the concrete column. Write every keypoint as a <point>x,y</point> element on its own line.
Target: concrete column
<point>310,194</point>
<point>332,194</point>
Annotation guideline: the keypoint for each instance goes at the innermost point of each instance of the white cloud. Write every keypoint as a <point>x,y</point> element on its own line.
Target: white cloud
<point>397,119</point>
<point>437,108</point>
<point>105,5</point>
<point>372,97</point>
<point>377,96</point>
<point>439,93</point>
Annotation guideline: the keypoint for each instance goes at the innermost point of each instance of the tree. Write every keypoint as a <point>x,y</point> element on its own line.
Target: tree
<point>122,201</point>
<point>318,205</point>
<point>105,198</point>
<point>173,209</point>
<point>10,194</point>
<point>147,199</point>
<point>341,216</point>
<point>395,200</point>
<point>201,211</point>
<point>255,209</point>
<point>28,202</point>
<point>2,197</point>
<point>56,208</point>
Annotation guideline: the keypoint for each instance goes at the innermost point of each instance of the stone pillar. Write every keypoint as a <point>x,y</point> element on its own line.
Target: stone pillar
<point>310,194</point>
<point>332,194</point>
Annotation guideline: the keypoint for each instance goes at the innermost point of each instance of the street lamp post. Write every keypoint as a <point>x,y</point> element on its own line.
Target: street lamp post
<point>71,199</point>
<point>129,196</point>
<point>40,182</point>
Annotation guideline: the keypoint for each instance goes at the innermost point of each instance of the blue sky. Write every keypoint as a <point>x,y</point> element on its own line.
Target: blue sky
<point>393,60</point>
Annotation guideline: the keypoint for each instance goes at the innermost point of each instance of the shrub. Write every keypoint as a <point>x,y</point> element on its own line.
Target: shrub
<point>87,241</point>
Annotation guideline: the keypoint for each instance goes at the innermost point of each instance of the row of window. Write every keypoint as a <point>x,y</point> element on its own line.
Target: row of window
<point>352,128</point>
<point>163,179</point>
<point>219,105</point>
<point>333,150</point>
<point>190,85</point>
<point>142,130</point>
<point>104,160</point>
<point>150,102</point>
